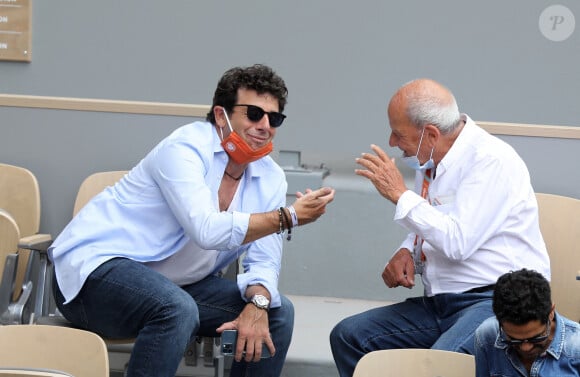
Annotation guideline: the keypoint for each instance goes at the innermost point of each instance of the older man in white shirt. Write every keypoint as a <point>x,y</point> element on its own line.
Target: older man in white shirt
<point>472,217</point>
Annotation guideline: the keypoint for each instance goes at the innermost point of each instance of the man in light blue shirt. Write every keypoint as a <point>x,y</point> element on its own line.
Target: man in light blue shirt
<point>142,259</point>
<point>527,337</point>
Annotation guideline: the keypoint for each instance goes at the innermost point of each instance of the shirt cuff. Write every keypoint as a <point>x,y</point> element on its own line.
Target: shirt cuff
<point>406,203</point>
<point>241,222</point>
<point>246,279</point>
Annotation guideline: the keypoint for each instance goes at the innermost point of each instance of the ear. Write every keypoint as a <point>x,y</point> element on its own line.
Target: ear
<point>220,119</point>
<point>432,135</point>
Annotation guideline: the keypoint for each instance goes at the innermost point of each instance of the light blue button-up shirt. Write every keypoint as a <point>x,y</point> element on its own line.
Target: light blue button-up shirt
<point>562,358</point>
<point>169,199</point>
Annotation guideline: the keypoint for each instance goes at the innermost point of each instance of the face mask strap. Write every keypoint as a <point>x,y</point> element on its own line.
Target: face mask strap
<point>419,147</point>
<point>228,121</point>
<point>420,141</point>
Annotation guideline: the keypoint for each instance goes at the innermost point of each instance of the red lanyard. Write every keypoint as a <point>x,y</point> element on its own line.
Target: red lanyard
<point>425,195</point>
<point>426,182</point>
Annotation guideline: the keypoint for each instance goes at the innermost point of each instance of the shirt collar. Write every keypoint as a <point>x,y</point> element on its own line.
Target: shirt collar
<point>557,344</point>
<point>456,150</point>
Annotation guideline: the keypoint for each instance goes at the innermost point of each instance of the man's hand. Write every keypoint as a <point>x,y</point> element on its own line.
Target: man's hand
<point>381,170</point>
<point>253,333</point>
<point>311,204</point>
<point>400,271</point>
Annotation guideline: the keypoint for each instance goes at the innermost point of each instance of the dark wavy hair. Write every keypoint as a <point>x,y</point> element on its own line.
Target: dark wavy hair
<point>257,77</point>
<point>522,296</point>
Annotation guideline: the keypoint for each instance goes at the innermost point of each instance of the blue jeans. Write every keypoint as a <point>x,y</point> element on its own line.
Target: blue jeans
<point>125,299</point>
<point>445,322</point>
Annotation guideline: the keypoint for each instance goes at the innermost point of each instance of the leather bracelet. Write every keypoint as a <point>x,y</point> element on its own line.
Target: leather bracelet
<point>288,223</point>
<point>281,220</point>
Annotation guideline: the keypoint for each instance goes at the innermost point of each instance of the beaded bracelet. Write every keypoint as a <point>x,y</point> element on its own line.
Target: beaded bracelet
<point>288,223</point>
<point>281,219</point>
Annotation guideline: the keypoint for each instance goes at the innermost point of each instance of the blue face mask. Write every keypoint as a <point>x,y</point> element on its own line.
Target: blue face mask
<point>413,161</point>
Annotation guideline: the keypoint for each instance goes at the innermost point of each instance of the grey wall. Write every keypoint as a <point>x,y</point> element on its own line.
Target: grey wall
<point>341,62</point>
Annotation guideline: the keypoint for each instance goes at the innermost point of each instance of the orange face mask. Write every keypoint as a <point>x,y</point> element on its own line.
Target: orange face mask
<point>239,150</point>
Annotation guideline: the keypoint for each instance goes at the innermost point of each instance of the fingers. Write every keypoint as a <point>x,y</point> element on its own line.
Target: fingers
<point>410,273</point>
<point>394,278</point>
<point>299,194</point>
<point>320,193</point>
<point>379,155</point>
<point>312,204</point>
<point>255,349</point>
<point>380,152</point>
<point>400,271</point>
<point>270,344</point>
<point>316,198</point>
<point>382,172</point>
<point>252,347</point>
<point>369,159</point>
<point>227,326</point>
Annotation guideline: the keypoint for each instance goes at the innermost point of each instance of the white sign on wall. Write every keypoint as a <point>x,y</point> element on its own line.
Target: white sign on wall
<point>15,30</point>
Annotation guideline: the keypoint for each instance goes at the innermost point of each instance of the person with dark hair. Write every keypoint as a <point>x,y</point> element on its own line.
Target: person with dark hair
<point>527,337</point>
<point>471,217</point>
<point>143,258</point>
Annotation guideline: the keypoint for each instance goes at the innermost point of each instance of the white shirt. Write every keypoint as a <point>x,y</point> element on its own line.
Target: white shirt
<point>192,263</point>
<point>169,200</point>
<point>481,220</point>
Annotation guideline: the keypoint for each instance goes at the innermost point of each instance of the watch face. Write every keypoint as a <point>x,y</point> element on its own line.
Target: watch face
<point>261,301</point>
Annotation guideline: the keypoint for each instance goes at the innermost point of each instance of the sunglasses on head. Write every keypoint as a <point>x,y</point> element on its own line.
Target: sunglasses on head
<point>534,340</point>
<point>256,113</point>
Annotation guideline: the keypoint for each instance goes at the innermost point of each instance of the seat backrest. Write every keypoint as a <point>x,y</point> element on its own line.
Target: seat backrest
<point>9,236</point>
<point>31,373</point>
<point>560,226</point>
<point>74,351</point>
<point>20,196</point>
<point>415,363</point>
<point>94,184</point>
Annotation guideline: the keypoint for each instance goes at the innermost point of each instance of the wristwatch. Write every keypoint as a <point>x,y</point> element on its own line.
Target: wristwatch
<point>260,301</point>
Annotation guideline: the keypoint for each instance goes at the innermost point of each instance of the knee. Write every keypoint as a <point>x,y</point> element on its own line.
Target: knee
<point>180,308</point>
<point>339,332</point>
<point>282,321</point>
<point>286,312</point>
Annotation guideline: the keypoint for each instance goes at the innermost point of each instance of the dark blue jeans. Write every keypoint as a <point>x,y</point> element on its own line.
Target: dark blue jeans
<point>125,299</point>
<point>445,322</point>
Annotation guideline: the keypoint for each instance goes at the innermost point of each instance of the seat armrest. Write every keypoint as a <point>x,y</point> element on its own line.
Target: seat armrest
<point>39,242</point>
<point>13,313</point>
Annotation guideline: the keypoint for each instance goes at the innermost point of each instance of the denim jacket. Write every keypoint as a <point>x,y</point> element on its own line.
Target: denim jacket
<point>561,359</point>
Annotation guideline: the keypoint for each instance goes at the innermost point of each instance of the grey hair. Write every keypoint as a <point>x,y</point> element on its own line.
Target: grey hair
<point>425,109</point>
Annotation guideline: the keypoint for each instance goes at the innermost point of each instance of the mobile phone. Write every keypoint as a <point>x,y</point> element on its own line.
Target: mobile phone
<point>229,339</point>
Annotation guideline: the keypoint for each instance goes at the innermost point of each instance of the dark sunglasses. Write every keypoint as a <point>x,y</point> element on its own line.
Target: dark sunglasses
<point>256,113</point>
<point>518,342</point>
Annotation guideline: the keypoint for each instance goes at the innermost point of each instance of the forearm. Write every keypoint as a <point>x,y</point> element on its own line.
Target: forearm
<point>306,209</point>
<point>263,224</point>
